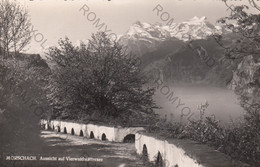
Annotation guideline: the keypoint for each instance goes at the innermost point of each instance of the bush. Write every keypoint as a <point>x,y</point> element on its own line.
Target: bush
<point>240,140</point>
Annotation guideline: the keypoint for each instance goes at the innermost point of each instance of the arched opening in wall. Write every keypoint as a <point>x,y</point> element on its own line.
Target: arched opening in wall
<point>72,131</point>
<point>159,160</point>
<point>42,126</point>
<point>65,130</point>
<point>91,135</point>
<point>81,133</point>
<point>58,127</point>
<point>130,138</point>
<point>103,137</point>
<point>145,153</point>
<point>48,127</point>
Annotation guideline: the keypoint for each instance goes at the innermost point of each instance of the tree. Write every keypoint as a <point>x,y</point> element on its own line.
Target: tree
<point>246,27</point>
<point>245,50</point>
<point>22,100</point>
<point>14,27</point>
<point>98,80</point>
<point>245,46</point>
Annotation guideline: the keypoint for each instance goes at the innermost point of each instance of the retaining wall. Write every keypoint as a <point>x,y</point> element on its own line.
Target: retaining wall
<point>114,134</point>
<point>173,152</point>
<point>182,153</point>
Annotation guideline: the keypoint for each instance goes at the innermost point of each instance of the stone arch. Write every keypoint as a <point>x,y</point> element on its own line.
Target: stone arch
<point>159,160</point>
<point>81,133</point>
<point>91,135</point>
<point>72,131</point>
<point>145,153</point>
<point>65,130</point>
<point>42,126</point>
<point>58,128</point>
<point>48,127</point>
<point>130,138</point>
<point>103,137</point>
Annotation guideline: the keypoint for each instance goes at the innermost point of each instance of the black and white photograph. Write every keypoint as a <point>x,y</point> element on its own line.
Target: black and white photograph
<point>129,83</point>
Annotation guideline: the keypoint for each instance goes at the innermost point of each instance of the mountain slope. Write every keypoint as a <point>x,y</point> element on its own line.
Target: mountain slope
<point>177,63</point>
<point>164,50</point>
<point>195,28</point>
<point>141,38</point>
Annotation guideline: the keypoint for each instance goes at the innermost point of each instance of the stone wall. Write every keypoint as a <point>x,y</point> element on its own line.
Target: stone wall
<point>172,152</point>
<point>181,153</point>
<point>114,134</point>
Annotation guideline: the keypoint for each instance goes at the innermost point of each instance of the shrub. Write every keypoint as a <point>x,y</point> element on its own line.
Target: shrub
<point>240,140</point>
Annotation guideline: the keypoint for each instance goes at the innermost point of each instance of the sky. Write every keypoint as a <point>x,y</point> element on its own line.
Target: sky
<point>55,19</point>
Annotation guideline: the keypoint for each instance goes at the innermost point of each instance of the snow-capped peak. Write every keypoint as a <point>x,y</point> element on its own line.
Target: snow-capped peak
<point>145,30</point>
<point>194,28</point>
<point>195,18</point>
<point>145,35</point>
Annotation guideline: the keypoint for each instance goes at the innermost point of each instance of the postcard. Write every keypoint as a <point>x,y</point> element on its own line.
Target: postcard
<point>129,83</point>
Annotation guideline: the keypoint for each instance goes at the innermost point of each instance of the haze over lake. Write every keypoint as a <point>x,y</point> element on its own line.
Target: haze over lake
<point>223,103</point>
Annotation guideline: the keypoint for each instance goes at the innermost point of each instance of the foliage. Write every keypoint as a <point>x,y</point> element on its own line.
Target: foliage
<point>166,129</point>
<point>98,81</point>
<point>22,96</point>
<point>247,28</point>
<point>14,28</point>
<point>21,80</point>
<point>205,129</point>
<point>239,140</point>
<point>242,141</point>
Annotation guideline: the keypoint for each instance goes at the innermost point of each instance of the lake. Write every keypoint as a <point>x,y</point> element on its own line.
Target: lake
<point>223,103</point>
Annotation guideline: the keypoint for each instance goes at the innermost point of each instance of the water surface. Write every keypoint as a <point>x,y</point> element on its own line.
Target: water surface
<point>223,103</point>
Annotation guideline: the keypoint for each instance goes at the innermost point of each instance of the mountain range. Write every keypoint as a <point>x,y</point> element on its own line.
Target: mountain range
<point>165,48</point>
<point>144,37</point>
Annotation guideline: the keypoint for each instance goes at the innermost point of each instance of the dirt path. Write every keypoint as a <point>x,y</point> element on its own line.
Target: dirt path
<point>111,154</point>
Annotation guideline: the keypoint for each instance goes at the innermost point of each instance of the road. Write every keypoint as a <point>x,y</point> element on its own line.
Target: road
<point>109,154</point>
